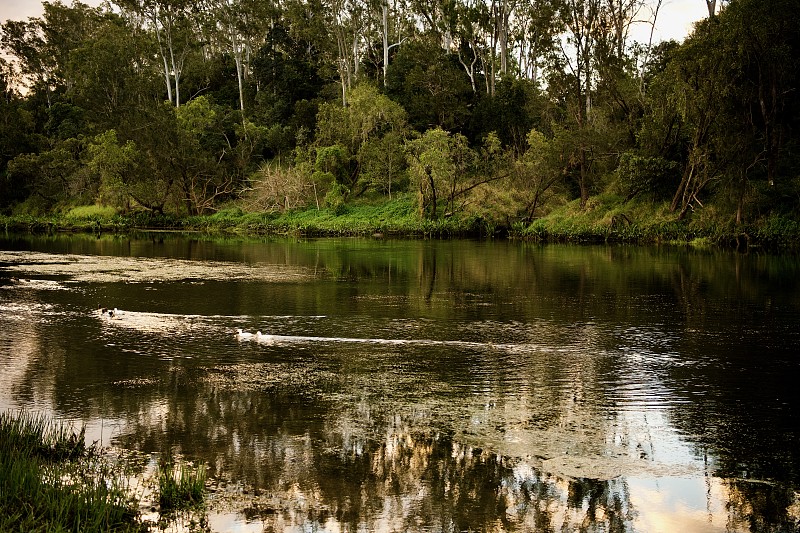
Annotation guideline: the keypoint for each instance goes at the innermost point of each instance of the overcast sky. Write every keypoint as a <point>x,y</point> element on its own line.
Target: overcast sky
<point>22,9</point>
<point>674,19</point>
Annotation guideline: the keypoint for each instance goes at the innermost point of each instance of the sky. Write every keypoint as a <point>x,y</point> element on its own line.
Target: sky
<point>22,9</point>
<point>674,19</point>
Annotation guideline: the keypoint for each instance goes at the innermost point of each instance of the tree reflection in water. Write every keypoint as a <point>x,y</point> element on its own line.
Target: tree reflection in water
<point>546,388</point>
<point>290,464</point>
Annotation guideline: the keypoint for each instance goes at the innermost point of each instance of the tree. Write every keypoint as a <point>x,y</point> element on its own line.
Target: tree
<point>581,18</point>
<point>286,69</point>
<point>117,165</point>
<point>733,81</point>
<point>237,27</point>
<point>172,25</point>
<point>536,175</point>
<point>516,107</point>
<point>212,154</point>
<point>51,177</point>
<point>114,74</point>
<point>386,30</point>
<point>16,129</point>
<point>371,120</point>
<point>43,47</point>
<point>430,85</point>
<point>445,170</point>
<point>534,34</point>
<point>347,22</point>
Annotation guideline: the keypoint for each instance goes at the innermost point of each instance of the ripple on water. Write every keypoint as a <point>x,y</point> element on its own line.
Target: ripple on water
<point>511,389</point>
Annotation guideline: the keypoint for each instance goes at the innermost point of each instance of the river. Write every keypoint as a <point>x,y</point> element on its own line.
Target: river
<point>417,385</point>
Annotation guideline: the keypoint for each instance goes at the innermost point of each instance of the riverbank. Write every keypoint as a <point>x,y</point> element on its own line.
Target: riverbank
<point>606,218</point>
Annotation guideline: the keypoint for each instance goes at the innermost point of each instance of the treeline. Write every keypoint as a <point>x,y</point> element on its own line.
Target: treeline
<point>501,109</point>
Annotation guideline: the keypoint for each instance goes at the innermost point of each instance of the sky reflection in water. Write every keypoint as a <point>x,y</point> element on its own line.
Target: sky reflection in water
<point>417,386</point>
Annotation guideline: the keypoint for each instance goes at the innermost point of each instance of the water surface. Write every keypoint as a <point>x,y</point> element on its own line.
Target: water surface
<point>424,385</point>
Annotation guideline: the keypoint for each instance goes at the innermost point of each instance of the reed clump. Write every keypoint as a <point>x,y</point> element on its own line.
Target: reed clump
<point>180,485</point>
<point>50,481</point>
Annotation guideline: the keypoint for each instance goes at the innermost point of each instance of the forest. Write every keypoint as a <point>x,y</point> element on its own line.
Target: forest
<point>511,112</point>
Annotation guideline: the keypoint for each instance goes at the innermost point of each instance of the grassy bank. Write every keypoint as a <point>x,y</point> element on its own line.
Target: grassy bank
<point>609,218</point>
<point>605,218</point>
<point>396,218</point>
<point>51,481</point>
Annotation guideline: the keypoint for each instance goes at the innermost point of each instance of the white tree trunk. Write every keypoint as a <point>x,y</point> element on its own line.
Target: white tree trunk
<point>385,32</point>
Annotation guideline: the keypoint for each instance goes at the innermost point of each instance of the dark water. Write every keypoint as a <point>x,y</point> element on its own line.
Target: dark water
<point>425,386</point>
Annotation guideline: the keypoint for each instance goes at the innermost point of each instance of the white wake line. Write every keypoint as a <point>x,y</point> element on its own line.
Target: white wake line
<point>173,323</point>
<point>286,339</point>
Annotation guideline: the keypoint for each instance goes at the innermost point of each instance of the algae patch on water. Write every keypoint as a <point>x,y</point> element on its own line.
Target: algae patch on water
<point>110,269</point>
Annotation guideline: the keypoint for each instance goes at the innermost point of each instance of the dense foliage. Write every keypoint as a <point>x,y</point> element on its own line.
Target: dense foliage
<point>502,110</point>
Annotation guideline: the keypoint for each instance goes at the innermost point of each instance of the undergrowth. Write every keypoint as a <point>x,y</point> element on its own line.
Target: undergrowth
<point>605,218</point>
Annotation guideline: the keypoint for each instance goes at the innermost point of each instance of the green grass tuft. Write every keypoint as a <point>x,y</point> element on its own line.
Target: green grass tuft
<point>94,212</point>
<point>181,486</point>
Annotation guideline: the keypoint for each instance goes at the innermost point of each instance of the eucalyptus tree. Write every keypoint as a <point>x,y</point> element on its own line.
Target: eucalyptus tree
<point>172,23</point>
<point>503,11</point>
<point>618,16</point>
<point>238,28</point>
<point>472,30</point>
<point>534,32</point>
<point>401,28</point>
<point>714,5</point>
<point>581,20</point>
<point>433,18</point>
<point>115,74</point>
<point>43,46</point>
<point>594,56</point>
<point>348,23</point>
<point>389,24</point>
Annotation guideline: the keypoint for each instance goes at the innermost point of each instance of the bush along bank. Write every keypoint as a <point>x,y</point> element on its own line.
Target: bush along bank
<point>606,219</point>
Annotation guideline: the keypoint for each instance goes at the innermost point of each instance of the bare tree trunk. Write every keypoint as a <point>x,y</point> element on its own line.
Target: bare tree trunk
<point>470,69</point>
<point>679,193</point>
<point>177,75</point>
<point>503,19</point>
<point>356,60</point>
<point>385,32</point>
<point>154,20</point>
<point>240,77</point>
<point>343,62</point>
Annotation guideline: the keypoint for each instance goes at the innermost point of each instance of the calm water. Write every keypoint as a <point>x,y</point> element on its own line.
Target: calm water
<point>425,386</point>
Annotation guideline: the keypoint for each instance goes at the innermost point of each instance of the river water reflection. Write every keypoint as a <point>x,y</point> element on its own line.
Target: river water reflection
<point>424,385</point>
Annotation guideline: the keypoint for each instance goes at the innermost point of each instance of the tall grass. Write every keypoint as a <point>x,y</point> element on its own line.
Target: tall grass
<point>50,481</point>
<point>180,486</point>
